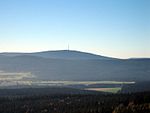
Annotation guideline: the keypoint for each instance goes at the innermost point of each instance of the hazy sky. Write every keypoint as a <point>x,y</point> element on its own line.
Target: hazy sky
<point>117,28</point>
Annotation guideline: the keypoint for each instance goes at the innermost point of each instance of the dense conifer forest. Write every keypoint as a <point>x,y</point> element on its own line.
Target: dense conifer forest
<point>76,103</point>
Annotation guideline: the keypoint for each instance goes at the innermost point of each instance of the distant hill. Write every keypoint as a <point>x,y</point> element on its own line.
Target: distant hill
<point>75,65</point>
<point>61,54</point>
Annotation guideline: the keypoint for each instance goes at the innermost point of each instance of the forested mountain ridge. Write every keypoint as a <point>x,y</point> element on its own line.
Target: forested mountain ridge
<point>60,54</point>
<point>76,66</point>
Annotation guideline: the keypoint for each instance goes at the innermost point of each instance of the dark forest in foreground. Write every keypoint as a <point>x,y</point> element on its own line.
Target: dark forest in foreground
<point>75,103</point>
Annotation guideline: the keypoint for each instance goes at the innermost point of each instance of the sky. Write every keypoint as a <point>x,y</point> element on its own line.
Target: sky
<point>116,28</point>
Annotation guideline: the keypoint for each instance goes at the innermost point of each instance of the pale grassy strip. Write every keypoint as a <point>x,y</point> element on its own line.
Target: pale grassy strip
<point>86,82</point>
<point>111,90</point>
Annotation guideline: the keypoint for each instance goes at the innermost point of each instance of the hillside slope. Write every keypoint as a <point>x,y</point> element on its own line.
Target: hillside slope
<point>81,67</point>
<point>61,54</point>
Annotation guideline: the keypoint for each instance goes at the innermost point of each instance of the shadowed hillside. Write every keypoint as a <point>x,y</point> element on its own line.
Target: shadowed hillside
<point>61,54</point>
<point>73,65</point>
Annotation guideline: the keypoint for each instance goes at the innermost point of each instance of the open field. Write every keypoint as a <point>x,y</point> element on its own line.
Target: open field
<point>19,82</point>
<point>85,82</point>
<point>110,90</point>
<point>12,76</point>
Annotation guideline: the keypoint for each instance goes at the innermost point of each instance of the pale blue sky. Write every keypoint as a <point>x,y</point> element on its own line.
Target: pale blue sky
<point>117,28</point>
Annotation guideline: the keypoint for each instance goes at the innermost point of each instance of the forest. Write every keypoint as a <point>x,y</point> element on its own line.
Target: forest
<point>75,103</point>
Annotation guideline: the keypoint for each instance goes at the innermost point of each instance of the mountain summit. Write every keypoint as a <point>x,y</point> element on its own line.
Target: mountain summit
<point>61,54</point>
<point>69,54</point>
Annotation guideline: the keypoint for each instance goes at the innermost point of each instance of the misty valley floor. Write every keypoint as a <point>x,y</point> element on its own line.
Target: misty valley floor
<point>23,101</point>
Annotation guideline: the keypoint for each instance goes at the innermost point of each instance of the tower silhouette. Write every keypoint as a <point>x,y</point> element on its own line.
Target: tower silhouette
<point>68,47</point>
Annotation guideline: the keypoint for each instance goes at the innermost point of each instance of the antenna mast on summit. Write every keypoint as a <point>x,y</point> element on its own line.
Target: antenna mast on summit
<point>68,47</point>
